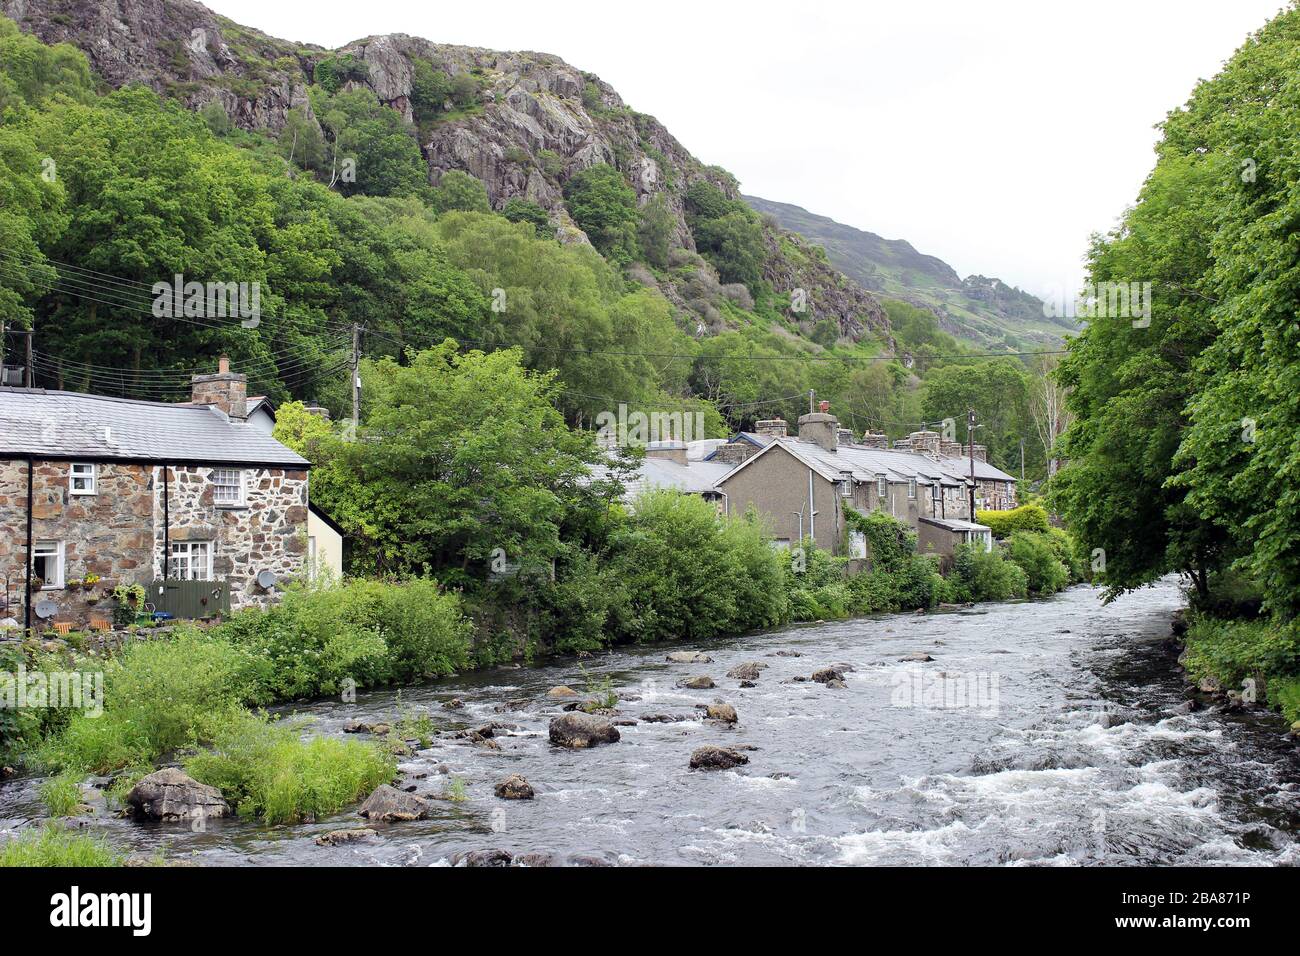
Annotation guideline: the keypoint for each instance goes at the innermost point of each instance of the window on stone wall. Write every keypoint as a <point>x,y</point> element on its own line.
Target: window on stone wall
<point>882,486</point>
<point>81,478</point>
<point>936,491</point>
<point>911,487</point>
<point>191,561</point>
<point>227,486</point>
<point>47,564</point>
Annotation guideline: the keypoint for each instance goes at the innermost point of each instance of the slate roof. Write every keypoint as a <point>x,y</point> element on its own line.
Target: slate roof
<point>865,463</point>
<point>698,477</point>
<point>954,524</point>
<point>70,425</point>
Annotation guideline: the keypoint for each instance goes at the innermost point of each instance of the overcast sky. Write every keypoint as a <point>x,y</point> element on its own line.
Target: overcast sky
<point>994,135</point>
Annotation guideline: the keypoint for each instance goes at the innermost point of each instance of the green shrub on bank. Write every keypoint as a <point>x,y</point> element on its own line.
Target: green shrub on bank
<point>370,632</point>
<point>159,696</point>
<point>689,573</point>
<point>816,587</point>
<point>1231,651</point>
<point>265,769</point>
<point>1035,553</point>
<point>1005,523</point>
<point>979,575</point>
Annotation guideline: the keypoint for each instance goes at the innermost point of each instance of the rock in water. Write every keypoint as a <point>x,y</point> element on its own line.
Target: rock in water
<point>390,805</point>
<point>689,657</point>
<point>337,837</point>
<point>578,731</point>
<point>723,712</point>
<point>561,691</point>
<point>917,657</point>
<point>482,858</point>
<point>514,787</point>
<point>746,671</point>
<point>700,682</point>
<point>171,795</point>
<point>710,757</point>
<point>827,674</point>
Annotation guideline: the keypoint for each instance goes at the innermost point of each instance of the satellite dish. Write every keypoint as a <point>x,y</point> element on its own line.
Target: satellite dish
<point>266,579</point>
<point>45,609</point>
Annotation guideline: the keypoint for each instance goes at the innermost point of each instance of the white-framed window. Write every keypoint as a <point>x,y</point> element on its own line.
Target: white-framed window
<point>882,486</point>
<point>190,561</point>
<point>846,487</point>
<point>936,491</point>
<point>47,564</point>
<point>81,478</point>
<point>911,487</point>
<point>227,486</point>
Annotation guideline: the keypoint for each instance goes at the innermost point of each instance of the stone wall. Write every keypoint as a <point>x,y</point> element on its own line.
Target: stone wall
<point>117,533</point>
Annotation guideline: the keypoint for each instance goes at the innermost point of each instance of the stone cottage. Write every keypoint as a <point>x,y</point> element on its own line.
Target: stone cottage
<point>131,491</point>
<point>802,486</point>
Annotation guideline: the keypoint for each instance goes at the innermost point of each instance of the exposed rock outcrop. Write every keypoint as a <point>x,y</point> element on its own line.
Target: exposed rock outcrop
<point>579,731</point>
<point>170,795</point>
<point>710,757</point>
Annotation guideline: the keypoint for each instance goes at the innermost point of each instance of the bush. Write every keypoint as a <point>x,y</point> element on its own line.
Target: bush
<point>371,632</point>
<point>1231,651</point>
<point>264,769</point>
<point>62,794</point>
<point>158,696</point>
<point>690,573</point>
<point>1024,518</point>
<point>1036,555</point>
<point>979,575</point>
<point>604,207</point>
<point>815,584</point>
<point>521,210</point>
<point>52,845</point>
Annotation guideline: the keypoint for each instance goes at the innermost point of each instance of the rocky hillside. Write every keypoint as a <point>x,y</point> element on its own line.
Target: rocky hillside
<point>522,123</point>
<point>977,308</point>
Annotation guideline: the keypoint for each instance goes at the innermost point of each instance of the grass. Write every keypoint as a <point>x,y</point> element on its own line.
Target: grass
<point>62,795</point>
<point>52,845</point>
<point>455,790</point>
<point>1232,650</point>
<point>265,769</point>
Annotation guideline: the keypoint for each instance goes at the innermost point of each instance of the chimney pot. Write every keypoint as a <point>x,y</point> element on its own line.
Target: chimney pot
<point>223,365</point>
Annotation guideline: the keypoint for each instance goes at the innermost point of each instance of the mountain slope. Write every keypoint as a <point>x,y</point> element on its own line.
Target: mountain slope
<point>524,124</point>
<point>980,309</point>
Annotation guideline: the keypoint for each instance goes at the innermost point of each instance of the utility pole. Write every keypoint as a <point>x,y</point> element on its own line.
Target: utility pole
<point>31,378</point>
<point>970,437</point>
<point>1022,461</point>
<point>356,378</point>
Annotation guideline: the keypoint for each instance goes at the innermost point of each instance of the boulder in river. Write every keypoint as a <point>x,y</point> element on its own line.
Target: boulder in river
<point>514,787</point>
<point>699,682</point>
<point>379,729</point>
<point>663,718</point>
<point>827,674</point>
<point>710,757</point>
<point>837,684</point>
<point>390,805</point>
<point>169,794</point>
<point>579,731</point>
<point>689,657</point>
<point>338,837</point>
<point>561,691</point>
<point>494,857</point>
<point>721,711</point>
<point>454,704</point>
<point>916,657</point>
<point>746,671</point>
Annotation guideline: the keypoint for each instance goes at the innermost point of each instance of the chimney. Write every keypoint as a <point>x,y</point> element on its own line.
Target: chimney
<point>925,443</point>
<point>771,427</point>
<point>318,411</point>
<point>844,436</point>
<point>952,449</point>
<point>670,450</point>
<point>735,452</point>
<point>820,427</point>
<point>226,389</point>
<point>876,440</point>
<point>982,452</point>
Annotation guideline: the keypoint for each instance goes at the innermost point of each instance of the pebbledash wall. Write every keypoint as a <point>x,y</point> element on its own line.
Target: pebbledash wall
<point>118,533</point>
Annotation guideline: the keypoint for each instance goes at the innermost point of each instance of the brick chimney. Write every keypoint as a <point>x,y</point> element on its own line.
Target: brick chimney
<point>952,449</point>
<point>844,436</point>
<point>226,389</point>
<point>876,440</point>
<point>771,427</point>
<point>982,452</point>
<point>734,452</point>
<point>670,450</point>
<point>925,443</point>
<point>820,427</point>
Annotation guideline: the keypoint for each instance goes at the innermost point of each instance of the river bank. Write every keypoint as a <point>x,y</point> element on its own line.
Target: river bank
<point>1070,747</point>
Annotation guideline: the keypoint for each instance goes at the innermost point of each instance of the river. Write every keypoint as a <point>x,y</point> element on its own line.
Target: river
<point>1059,741</point>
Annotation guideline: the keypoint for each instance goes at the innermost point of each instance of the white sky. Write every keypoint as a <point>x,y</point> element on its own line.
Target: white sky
<point>994,135</point>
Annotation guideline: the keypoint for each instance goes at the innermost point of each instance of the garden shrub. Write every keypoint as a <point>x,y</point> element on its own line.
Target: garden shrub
<point>1024,518</point>
<point>1036,555</point>
<point>979,575</point>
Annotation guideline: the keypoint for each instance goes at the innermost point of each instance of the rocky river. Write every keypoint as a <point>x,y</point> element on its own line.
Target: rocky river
<point>1048,733</point>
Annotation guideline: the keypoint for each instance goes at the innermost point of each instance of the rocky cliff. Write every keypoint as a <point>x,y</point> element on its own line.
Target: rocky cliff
<point>534,121</point>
